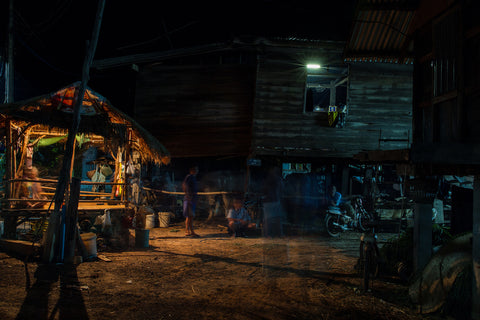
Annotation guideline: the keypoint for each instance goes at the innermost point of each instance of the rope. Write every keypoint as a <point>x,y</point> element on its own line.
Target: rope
<point>182,193</point>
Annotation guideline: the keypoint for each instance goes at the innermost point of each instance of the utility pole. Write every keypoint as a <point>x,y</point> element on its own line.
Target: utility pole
<point>9,74</point>
<point>64,179</point>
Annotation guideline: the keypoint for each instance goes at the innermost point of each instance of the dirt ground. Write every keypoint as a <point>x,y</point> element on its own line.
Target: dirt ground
<point>211,277</point>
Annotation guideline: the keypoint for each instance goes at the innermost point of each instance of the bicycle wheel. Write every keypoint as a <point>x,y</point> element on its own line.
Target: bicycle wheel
<point>367,255</point>
<point>258,216</point>
<point>374,266</point>
<point>366,274</point>
<point>370,265</point>
<point>330,224</point>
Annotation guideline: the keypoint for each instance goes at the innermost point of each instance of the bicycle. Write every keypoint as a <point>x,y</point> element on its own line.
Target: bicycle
<point>369,261</point>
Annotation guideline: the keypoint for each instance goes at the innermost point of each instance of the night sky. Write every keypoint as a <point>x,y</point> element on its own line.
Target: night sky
<point>51,35</point>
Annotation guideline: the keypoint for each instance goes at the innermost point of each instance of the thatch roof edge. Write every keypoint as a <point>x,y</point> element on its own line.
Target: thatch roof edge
<point>151,149</point>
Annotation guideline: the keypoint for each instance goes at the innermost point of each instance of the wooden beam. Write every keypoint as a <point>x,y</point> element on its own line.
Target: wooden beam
<point>388,6</point>
<point>445,97</point>
<point>402,155</point>
<point>21,247</point>
<point>158,56</point>
<point>339,82</point>
<point>446,153</point>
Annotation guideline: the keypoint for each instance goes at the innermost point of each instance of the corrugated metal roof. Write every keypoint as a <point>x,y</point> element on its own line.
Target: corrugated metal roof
<point>380,31</point>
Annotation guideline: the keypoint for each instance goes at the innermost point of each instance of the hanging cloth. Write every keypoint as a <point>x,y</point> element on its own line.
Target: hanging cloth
<point>97,177</point>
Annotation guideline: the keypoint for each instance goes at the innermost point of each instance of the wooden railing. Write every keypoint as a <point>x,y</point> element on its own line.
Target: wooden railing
<point>88,197</point>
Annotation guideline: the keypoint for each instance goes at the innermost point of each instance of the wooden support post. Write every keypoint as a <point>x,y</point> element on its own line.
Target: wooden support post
<point>23,156</point>
<point>64,178</point>
<point>333,93</point>
<point>128,159</point>
<point>476,250</point>
<point>422,235</point>
<point>118,161</point>
<point>9,72</point>
<point>21,166</point>
<point>8,162</point>
<point>72,220</point>
<point>10,231</point>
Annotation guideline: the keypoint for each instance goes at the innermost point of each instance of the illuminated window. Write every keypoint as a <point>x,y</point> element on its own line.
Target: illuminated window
<point>317,95</point>
<point>326,94</point>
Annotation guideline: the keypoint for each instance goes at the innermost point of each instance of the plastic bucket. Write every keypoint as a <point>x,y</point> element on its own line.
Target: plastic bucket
<point>163,219</point>
<point>142,238</point>
<point>90,242</point>
<point>149,221</point>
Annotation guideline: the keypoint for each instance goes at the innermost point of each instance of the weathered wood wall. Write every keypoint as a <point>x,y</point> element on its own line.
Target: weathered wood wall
<point>199,110</point>
<point>280,125</point>
<point>447,83</point>
<point>207,110</point>
<point>379,107</point>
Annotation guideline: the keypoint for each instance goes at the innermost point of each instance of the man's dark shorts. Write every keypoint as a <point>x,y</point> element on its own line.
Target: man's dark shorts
<point>188,209</point>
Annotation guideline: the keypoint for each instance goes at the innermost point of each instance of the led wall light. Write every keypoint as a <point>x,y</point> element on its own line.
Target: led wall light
<point>313,66</point>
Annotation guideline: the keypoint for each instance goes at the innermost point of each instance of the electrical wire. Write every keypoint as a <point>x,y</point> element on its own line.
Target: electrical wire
<point>44,60</point>
<point>159,37</point>
<point>54,17</point>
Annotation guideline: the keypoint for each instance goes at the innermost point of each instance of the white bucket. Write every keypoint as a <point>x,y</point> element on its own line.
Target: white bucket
<point>149,221</point>
<point>90,241</point>
<point>164,219</point>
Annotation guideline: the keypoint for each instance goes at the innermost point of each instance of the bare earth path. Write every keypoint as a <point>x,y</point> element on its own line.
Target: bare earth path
<point>212,277</point>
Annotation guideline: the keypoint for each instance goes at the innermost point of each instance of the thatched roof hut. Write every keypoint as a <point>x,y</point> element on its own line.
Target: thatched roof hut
<point>54,111</point>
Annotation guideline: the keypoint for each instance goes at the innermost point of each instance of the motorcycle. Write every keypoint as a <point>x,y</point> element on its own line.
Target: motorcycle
<point>337,220</point>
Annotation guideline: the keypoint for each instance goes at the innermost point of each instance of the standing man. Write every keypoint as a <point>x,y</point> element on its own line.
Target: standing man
<point>190,188</point>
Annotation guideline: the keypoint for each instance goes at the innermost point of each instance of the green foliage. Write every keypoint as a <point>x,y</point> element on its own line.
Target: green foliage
<point>50,158</point>
<point>398,250</point>
<point>440,234</point>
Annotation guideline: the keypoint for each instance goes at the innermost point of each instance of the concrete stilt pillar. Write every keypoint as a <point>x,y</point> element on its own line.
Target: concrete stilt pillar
<point>476,250</point>
<point>422,235</point>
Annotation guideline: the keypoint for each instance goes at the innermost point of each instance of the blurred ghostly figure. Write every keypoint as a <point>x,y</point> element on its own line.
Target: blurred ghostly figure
<point>273,213</point>
<point>190,187</point>
<point>31,190</point>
